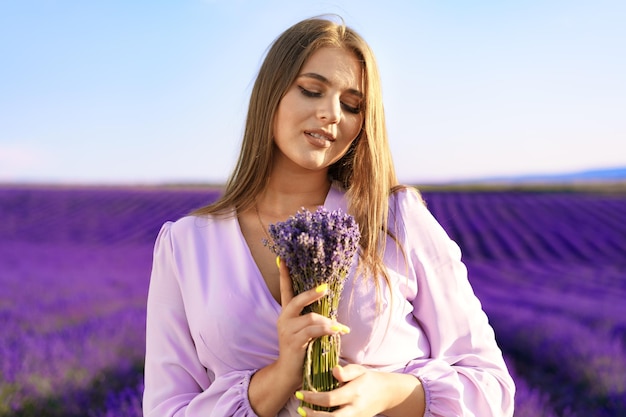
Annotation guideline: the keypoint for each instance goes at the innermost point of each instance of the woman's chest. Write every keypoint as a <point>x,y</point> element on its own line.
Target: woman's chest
<point>231,313</point>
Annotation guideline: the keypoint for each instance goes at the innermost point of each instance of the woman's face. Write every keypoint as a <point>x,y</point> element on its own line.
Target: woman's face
<point>320,114</point>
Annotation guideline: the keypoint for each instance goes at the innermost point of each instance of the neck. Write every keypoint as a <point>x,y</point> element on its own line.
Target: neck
<point>284,195</point>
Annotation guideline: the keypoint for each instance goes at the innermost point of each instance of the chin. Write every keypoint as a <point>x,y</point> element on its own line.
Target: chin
<point>312,164</point>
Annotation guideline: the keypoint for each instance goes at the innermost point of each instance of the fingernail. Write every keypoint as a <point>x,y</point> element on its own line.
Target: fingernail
<point>299,395</point>
<point>301,411</point>
<point>338,327</point>
<point>321,287</point>
<point>278,262</point>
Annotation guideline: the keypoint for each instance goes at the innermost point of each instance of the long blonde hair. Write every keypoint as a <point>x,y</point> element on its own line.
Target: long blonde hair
<point>366,171</point>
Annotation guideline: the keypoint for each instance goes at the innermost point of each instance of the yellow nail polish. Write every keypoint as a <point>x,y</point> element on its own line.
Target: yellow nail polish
<point>301,411</point>
<point>299,395</point>
<point>321,288</point>
<point>338,327</point>
<point>278,262</point>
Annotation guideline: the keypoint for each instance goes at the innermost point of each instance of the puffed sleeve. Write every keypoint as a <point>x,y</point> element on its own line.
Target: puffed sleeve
<point>176,382</point>
<point>465,374</point>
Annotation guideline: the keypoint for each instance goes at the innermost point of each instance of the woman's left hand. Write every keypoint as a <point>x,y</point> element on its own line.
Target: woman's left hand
<point>366,393</point>
<point>357,396</point>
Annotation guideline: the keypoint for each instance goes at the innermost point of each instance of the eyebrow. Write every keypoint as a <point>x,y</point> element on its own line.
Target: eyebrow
<point>325,80</point>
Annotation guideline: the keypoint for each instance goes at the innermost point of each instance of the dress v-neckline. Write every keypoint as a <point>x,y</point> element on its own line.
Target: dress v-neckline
<point>333,201</point>
<point>258,276</point>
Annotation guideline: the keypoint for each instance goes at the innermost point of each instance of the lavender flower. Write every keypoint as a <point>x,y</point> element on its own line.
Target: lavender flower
<point>318,248</point>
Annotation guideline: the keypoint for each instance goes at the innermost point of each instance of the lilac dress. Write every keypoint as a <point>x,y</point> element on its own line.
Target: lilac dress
<point>212,320</point>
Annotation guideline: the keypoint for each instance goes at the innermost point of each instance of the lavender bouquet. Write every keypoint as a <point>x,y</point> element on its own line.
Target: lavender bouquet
<point>318,248</point>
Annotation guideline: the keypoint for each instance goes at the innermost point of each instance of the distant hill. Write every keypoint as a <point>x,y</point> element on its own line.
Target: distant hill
<point>594,175</point>
<point>598,174</point>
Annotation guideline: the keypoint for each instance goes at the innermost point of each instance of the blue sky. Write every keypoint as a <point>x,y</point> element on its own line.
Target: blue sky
<point>123,91</point>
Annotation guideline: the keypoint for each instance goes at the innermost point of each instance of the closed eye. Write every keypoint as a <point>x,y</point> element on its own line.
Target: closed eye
<point>309,93</point>
<point>350,109</point>
<point>315,94</point>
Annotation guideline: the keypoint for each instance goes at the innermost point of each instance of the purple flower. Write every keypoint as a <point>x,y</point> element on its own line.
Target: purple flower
<point>317,248</point>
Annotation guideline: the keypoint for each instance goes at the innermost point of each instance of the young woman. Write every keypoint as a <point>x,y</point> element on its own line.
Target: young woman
<point>225,334</point>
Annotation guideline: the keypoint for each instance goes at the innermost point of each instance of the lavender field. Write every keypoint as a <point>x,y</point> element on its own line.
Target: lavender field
<point>549,267</point>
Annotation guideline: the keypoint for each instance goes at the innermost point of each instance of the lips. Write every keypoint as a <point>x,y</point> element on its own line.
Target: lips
<point>320,134</point>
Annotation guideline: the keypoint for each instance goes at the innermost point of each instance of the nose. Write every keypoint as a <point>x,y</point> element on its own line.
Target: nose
<point>329,109</point>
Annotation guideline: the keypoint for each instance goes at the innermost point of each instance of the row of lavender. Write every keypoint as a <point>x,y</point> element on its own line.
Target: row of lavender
<point>74,268</point>
<point>74,273</point>
<point>550,269</point>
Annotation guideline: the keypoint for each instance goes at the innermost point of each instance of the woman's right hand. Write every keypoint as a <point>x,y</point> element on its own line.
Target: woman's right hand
<point>272,386</point>
<point>295,331</point>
